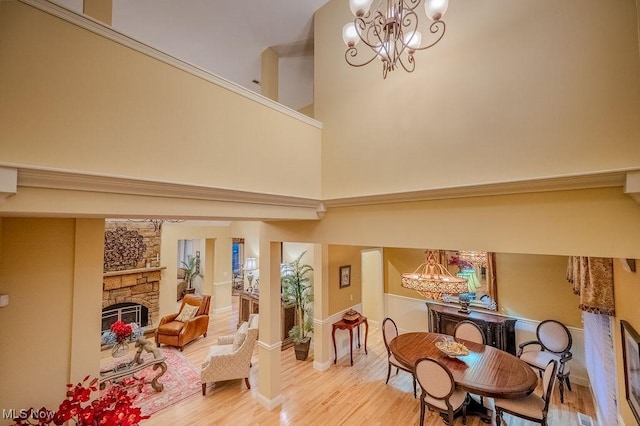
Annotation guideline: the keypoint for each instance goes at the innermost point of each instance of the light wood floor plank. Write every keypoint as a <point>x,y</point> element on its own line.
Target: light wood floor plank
<point>343,395</point>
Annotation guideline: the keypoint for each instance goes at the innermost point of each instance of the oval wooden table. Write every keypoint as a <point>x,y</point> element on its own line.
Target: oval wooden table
<point>486,371</point>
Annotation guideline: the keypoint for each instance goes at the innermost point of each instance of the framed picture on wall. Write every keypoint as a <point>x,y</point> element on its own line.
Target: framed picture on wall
<point>631,359</point>
<point>345,276</point>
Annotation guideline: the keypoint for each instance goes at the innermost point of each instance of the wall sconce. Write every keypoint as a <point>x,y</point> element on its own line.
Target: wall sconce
<point>4,300</point>
<point>250,265</point>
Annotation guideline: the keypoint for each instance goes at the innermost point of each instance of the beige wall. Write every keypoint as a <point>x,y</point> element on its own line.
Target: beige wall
<point>50,306</point>
<point>513,91</point>
<point>535,287</point>
<point>626,297</point>
<point>346,297</point>
<point>98,100</point>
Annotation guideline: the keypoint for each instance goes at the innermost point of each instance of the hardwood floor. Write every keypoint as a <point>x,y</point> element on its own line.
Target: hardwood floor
<point>343,395</point>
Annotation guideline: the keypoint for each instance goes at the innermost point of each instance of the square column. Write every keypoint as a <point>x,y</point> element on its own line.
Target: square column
<point>269,343</point>
<point>322,343</point>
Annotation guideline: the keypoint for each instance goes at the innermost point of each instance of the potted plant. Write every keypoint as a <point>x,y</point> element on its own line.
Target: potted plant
<point>298,290</point>
<point>191,271</point>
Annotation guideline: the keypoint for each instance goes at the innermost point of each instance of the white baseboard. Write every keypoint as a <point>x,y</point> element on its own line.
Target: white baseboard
<point>269,404</point>
<point>322,366</point>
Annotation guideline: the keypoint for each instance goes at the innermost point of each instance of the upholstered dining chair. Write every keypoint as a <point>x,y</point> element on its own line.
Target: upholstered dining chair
<point>230,357</point>
<point>188,324</point>
<point>389,332</point>
<point>553,343</point>
<point>469,330</point>
<point>438,390</point>
<point>532,407</point>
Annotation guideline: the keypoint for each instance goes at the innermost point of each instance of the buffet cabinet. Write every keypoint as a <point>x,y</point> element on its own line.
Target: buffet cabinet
<point>249,303</point>
<point>499,330</point>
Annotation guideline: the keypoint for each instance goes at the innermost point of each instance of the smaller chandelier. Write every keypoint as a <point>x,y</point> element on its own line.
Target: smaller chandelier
<point>391,32</point>
<point>477,258</point>
<point>432,280</point>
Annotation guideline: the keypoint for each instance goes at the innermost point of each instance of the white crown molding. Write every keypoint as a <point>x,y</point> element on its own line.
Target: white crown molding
<point>602,179</point>
<point>39,177</point>
<point>101,29</point>
<point>9,183</point>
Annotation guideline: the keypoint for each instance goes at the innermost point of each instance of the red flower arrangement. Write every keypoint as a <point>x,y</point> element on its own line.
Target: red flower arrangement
<point>122,331</point>
<point>113,408</point>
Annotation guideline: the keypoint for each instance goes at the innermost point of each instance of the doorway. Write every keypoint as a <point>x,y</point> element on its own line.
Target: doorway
<point>372,285</point>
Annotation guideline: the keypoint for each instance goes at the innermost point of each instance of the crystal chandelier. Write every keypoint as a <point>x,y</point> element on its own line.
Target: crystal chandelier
<point>391,32</point>
<point>432,280</point>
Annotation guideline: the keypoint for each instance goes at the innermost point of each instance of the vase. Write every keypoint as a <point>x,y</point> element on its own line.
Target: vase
<point>119,349</point>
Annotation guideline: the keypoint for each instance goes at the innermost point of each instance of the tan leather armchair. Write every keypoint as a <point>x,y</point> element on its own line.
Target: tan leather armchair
<point>177,333</point>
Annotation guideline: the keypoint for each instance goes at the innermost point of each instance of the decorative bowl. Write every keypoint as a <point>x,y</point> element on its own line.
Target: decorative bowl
<point>351,315</point>
<point>452,349</point>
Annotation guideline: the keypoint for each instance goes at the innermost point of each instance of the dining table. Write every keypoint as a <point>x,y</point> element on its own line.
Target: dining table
<point>485,370</point>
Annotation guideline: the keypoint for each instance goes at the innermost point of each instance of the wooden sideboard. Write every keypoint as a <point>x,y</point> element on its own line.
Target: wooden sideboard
<point>249,303</point>
<point>499,331</point>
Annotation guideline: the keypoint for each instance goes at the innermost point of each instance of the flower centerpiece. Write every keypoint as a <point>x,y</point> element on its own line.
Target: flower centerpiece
<point>119,335</point>
<point>114,407</point>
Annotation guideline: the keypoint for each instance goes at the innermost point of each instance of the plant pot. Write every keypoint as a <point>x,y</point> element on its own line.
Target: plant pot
<point>302,349</point>
<point>191,290</point>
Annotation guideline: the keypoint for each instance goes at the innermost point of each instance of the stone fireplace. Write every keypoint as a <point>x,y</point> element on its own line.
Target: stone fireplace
<point>131,295</point>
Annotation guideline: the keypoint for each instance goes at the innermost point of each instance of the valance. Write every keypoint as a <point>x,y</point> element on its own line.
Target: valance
<point>592,279</point>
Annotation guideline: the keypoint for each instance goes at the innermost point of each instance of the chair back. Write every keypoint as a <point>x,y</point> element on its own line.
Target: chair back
<point>435,379</point>
<point>548,380</point>
<point>389,332</point>
<point>201,301</point>
<point>554,336</point>
<point>469,330</point>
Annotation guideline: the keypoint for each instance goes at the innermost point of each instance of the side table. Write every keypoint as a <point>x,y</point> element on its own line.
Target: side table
<point>350,325</point>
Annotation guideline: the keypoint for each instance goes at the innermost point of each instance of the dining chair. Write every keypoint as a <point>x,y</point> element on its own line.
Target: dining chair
<point>389,332</point>
<point>532,407</point>
<point>469,330</point>
<point>439,390</point>
<point>553,343</point>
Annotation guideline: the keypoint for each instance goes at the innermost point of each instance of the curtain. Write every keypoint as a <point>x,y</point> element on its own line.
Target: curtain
<point>592,279</point>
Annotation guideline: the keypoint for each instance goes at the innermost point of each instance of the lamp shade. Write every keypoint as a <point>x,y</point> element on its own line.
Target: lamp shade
<point>350,34</point>
<point>360,7</point>
<point>250,264</point>
<point>413,39</point>
<point>435,9</point>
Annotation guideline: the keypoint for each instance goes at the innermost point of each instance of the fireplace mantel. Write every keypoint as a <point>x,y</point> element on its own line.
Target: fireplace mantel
<point>133,271</point>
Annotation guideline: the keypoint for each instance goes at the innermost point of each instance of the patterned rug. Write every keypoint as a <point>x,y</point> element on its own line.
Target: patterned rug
<point>181,380</point>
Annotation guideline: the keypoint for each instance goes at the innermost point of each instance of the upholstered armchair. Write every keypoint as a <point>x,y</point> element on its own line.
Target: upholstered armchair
<point>187,325</point>
<point>230,357</point>
<point>553,344</point>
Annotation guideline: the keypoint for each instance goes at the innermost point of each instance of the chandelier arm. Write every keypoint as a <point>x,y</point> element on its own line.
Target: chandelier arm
<point>353,52</point>
<point>434,28</point>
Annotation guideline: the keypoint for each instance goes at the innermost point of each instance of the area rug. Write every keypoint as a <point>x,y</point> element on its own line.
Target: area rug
<point>181,380</point>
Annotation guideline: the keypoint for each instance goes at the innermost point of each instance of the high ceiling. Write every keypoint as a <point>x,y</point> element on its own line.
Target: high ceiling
<point>227,37</point>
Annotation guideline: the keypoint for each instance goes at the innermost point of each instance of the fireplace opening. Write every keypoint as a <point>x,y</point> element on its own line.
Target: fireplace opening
<point>126,312</point>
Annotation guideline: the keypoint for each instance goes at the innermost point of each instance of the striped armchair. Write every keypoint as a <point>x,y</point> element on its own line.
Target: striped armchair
<point>230,357</point>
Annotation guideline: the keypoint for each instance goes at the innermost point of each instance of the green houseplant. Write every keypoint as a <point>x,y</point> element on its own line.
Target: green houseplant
<point>191,271</point>
<point>298,290</point>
